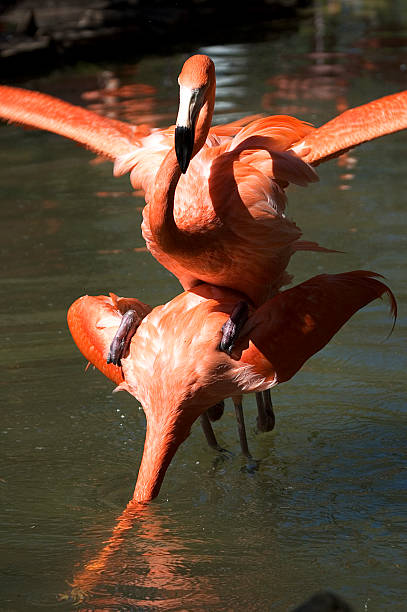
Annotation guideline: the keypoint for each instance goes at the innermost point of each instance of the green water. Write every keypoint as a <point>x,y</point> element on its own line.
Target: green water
<point>326,506</point>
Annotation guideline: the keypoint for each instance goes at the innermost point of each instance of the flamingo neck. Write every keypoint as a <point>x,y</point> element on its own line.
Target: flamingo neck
<point>163,437</point>
<point>161,214</point>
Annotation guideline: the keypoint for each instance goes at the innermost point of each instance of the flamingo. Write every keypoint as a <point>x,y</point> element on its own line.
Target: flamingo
<point>221,222</point>
<point>175,368</point>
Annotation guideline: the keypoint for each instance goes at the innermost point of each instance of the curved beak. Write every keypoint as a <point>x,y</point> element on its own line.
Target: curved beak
<point>190,103</point>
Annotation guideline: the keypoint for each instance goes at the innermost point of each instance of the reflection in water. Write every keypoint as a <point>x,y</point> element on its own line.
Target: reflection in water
<point>326,77</point>
<point>155,577</point>
<point>143,564</point>
<point>128,102</point>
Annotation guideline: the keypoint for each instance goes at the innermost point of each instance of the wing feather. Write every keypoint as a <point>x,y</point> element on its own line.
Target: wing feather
<point>354,127</point>
<point>107,137</point>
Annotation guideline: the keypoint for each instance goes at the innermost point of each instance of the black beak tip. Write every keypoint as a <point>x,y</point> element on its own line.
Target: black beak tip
<point>184,144</point>
<point>183,164</point>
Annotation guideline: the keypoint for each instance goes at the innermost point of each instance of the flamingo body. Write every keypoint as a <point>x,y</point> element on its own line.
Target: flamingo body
<point>175,368</point>
<point>226,223</point>
<point>229,213</point>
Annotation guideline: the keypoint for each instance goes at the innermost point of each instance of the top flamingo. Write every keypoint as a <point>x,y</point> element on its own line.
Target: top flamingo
<point>223,221</point>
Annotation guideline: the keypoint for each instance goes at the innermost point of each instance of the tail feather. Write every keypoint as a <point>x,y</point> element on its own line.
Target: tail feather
<point>297,323</point>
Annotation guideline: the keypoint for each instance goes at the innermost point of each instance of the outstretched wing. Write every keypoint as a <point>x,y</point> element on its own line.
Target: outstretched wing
<point>353,127</point>
<point>297,323</point>
<point>107,137</point>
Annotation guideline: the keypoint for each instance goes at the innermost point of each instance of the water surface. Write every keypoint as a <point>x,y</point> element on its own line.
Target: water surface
<point>325,507</point>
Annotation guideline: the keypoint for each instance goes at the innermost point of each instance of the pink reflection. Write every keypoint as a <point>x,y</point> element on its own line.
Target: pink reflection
<point>134,102</point>
<point>326,78</point>
<point>156,565</point>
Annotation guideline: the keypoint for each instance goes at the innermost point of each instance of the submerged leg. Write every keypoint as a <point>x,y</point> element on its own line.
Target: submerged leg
<point>121,342</point>
<point>231,328</point>
<point>265,418</point>
<point>241,426</point>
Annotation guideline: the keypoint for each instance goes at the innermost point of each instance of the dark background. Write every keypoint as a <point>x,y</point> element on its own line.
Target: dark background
<point>40,35</point>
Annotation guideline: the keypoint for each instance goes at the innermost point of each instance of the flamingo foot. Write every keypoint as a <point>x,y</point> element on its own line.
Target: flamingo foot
<point>232,327</point>
<point>265,418</point>
<point>252,466</point>
<point>121,342</point>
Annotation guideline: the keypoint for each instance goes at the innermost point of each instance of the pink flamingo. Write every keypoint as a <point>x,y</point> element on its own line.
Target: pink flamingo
<point>223,221</point>
<point>174,366</point>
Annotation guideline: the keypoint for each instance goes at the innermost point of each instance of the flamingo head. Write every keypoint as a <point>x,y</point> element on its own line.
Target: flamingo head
<point>197,92</point>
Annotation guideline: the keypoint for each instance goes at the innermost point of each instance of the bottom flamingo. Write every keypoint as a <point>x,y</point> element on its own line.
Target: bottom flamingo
<point>174,366</point>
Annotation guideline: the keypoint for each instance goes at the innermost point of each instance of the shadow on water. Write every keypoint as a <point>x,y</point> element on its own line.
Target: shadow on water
<point>324,507</point>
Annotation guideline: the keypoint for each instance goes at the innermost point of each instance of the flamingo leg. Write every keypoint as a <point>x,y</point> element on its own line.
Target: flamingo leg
<point>230,332</point>
<point>237,401</point>
<point>209,433</point>
<point>121,341</point>
<point>265,418</point>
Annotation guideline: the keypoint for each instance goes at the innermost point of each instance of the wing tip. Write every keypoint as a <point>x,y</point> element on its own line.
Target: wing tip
<point>380,289</point>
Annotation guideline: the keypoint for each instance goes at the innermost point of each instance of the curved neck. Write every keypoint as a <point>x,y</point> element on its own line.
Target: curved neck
<point>161,212</point>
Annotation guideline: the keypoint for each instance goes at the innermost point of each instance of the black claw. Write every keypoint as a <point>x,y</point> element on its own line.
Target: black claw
<point>233,326</point>
<point>121,342</point>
